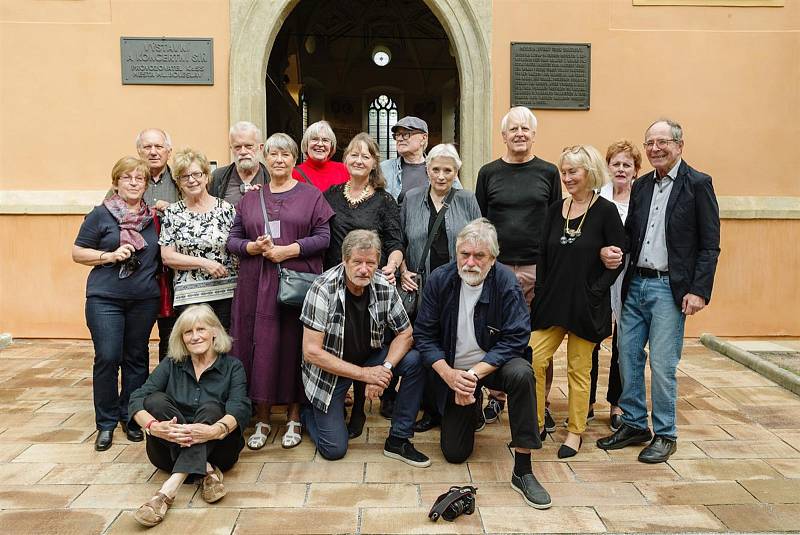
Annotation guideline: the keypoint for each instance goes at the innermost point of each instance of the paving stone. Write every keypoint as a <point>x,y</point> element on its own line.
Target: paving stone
<point>23,473</point>
<point>208,521</point>
<point>623,472</point>
<point>128,496</point>
<point>362,495</point>
<point>737,449</point>
<point>711,404</point>
<point>250,495</point>
<point>774,417</point>
<point>759,518</point>
<point>93,474</point>
<point>563,494</point>
<point>385,520</point>
<point>699,416</point>
<point>57,522</point>
<point>759,395</point>
<point>686,450</point>
<point>663,518</point>
<point>47,434</point>
<point>790,436</point>
<point>774,490</point>
<point>788,467</point>
<point>10,451</point>
<point>399,472</point>
<point>338,472</point>
<point>748,432</point>
<point>525,519</point>
<point>296,520</point>
<point>743,378</point>
<point>694,493</point>
<point>38,496</point>
<point>723,469</point>
<point>67,453</point>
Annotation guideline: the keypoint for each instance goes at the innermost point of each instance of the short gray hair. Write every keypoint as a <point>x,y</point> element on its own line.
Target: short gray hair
<point>281,141</point>
<point>318,129</point>
<point>246,126</point>
<point>167,139</point>
<point>480,230</point>
<point>677,129</point>
<point>443,150</point>
<point>518,112</point>
<point>360,240</point>
<point>197,315</point>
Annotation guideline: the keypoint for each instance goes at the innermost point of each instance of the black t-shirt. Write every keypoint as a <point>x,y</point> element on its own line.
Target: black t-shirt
<point>356,327</point>
<point>440,252</point>
<point>515,197</point>
<point>413,176</point>
<point>101,231</point>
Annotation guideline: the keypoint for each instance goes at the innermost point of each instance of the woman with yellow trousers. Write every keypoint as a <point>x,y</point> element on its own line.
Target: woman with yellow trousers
<point>572,295</point>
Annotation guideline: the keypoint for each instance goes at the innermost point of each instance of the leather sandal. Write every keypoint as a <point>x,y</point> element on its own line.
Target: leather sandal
<point>259,439</point>
<point>211,489</point>
<point>293,435</point>
<point>152,512</point>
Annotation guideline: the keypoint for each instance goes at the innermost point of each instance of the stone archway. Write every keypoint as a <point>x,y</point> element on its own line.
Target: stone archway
<point>255,25</point>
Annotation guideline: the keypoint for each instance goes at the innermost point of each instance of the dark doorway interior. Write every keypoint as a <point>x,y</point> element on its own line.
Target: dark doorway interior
<point>324,66</point>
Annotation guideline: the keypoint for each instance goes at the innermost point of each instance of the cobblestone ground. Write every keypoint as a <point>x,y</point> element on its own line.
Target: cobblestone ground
<point>737,467</point>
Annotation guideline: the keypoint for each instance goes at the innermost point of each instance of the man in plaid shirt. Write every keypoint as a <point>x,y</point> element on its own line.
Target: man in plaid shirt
<point>337,351</point>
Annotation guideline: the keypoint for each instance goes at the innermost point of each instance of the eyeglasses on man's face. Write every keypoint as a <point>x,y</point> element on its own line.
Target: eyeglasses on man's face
<point>398,136</point>
<point>658,143</point>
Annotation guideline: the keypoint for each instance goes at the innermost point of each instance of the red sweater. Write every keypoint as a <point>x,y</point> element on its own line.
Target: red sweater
<point>322,175</point>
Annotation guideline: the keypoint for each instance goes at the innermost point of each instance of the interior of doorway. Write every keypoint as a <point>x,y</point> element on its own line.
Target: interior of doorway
<point>361,66</point>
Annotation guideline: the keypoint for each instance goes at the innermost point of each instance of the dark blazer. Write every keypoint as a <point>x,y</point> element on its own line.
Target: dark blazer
<point>502,321</point>
<point>692,227</point>
<point>221,177</point>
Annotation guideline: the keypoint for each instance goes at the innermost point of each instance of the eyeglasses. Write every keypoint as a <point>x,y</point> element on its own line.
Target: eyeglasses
<point>197,175</point>
<point>404,135</point>
<point>131,179</point>
<point>659,143</point>
<point>323,140</point>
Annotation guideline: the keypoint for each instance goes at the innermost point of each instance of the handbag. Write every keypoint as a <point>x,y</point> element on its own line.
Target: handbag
<point>411,300</point>
<point>164,277</point>
<point>292,285</point>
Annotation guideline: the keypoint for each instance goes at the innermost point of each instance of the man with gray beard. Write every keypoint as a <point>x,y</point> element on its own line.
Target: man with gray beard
<point>246,173</point>
<point>473,329</point>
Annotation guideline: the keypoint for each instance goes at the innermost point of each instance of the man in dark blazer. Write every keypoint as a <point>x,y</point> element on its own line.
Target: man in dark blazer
<point>673,232</point>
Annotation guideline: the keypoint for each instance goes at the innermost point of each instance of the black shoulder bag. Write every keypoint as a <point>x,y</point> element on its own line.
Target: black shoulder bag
<point>292,285</point>
<point>410,300</point>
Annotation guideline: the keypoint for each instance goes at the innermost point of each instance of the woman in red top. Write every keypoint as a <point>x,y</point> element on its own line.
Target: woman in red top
<point>319,146</point>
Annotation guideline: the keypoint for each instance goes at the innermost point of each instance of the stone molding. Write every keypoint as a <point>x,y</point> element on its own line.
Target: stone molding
<point>255,25</point>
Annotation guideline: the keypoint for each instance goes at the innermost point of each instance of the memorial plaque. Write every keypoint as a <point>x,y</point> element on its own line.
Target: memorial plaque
<point>167,60</point>
<point>550,75</point>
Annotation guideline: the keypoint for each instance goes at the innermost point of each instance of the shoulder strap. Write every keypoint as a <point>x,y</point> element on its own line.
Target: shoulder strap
<point>436,224</point>
<point>303,174</point>
<point>264,211</point>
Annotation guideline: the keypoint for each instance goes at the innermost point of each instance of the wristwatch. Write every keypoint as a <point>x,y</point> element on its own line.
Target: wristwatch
<point>387,365</point>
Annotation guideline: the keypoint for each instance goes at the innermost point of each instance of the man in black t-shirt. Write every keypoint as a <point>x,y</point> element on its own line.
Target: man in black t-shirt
<point>514,193</point>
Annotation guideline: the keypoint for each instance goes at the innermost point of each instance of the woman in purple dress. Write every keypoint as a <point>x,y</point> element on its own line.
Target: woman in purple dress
<point>267,336</point>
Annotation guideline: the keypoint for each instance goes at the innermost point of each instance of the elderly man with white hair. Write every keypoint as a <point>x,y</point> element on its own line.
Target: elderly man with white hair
<point>473,329</point>
<point>247,172</point>
<point>155,146</point>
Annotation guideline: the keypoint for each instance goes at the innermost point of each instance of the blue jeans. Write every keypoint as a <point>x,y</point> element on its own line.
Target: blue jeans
<point>328,430</point>
<point>650,313</point>
<point>120,331</point>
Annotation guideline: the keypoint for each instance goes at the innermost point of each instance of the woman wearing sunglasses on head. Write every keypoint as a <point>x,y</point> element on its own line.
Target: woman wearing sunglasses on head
<point>118,239</point>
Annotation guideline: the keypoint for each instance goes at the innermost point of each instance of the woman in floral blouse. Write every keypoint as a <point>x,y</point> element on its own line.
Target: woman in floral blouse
<point>193,237</point>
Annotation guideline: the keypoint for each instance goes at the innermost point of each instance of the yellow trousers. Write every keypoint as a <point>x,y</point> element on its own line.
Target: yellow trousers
<point>579,367</point>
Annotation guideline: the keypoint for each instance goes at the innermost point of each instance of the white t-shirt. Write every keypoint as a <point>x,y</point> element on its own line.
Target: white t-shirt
<point>468,352</point>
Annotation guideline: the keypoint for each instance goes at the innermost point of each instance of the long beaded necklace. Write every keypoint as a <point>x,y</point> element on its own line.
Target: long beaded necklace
<point>355,201</point>
<point>570,235</point>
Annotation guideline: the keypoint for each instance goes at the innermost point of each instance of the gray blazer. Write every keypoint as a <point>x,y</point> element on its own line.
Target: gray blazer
<point>415,214</point>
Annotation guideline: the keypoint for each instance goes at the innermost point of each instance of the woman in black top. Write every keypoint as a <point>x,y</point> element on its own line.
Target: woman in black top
<point>572,295</point>
<point>363,203</point>
<point>119,240</point>
<point>193,408</point>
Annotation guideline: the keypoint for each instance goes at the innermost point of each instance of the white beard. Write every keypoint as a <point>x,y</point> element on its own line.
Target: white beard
<point>246,165</point>
<point>473,278</point>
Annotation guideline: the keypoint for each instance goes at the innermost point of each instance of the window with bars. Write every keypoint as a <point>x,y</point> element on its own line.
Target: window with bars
<point>382,117</point>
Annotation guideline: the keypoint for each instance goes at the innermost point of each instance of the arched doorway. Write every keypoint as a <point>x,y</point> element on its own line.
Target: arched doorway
<point>255,25</point>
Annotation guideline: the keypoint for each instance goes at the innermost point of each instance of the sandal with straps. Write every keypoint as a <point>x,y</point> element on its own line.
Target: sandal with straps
<point>152,512</point>
<point>293,436</point>
<point>211,489</point>
<point>259,439</point>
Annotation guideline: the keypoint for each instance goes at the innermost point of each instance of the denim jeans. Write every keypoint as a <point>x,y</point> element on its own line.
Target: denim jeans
<point>650,314</point>
<point>120,331</point>
<point>328,429</point>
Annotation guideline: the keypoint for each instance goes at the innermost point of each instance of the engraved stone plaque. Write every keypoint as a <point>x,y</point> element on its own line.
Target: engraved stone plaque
<point>550,75</point>
<point>167,60</point>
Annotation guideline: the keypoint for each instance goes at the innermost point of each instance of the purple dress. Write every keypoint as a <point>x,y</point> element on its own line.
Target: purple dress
<point>267,337</point>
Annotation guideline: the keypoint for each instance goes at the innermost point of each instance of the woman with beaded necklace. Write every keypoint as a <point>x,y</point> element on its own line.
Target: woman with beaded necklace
<point>363,203</point>
<point>572,295</point>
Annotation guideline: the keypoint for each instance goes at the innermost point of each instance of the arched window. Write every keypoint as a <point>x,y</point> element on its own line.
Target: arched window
<point>382,117</point>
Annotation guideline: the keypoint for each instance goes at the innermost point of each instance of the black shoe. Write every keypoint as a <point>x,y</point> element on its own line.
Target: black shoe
<point>625,436</point>
<point>659,450</point>
<point>543,434</point>
<point>356,425</point>
<point>532,491</point>
<point>616,422</point>
<point>134,435</point>
<point>405,452</point>
<point>549,423</point>
<point>103,440</point>
<point>426,423</point>
<point>565,451</point>
<point>387,408</point>
<point>494,407</point>
<point>480,421</point>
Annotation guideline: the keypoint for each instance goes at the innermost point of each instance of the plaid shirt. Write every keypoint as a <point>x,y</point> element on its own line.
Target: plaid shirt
<point>323,311</point>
